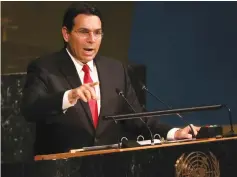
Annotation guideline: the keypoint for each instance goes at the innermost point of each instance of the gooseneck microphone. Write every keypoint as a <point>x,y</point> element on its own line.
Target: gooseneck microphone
<point>120,93</point>
<point>144,88</point>
<point>231,133</point>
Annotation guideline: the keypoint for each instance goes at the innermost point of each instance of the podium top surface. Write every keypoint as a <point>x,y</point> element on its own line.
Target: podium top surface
<point>80,152</point>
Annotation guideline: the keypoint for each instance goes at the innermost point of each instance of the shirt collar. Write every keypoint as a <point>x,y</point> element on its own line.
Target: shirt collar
<point>79,64</point>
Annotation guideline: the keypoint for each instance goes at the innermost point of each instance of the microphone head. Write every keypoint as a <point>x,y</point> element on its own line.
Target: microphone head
<point>119,92</point>
<point>133,75</point>
<point>143,87</point>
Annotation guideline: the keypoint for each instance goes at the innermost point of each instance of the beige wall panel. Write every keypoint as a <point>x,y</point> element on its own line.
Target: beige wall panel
<point>34,28</point>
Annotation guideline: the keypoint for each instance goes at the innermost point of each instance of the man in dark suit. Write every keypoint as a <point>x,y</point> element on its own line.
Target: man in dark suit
<point>67,93</point>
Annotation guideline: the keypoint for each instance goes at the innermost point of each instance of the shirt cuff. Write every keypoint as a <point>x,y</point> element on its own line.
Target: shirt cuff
<point>66,104</point>
<point>171,133</point>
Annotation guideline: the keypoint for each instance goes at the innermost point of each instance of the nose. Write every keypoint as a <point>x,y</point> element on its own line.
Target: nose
<point>91,37</point>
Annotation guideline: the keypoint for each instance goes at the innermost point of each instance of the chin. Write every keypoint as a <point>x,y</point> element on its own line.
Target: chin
<point>87,59</point>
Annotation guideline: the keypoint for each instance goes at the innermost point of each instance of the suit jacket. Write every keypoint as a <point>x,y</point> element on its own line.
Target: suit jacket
<point>47,80</point>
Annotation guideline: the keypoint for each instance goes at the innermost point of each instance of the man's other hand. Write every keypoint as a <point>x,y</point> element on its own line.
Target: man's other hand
<point>185,133</point>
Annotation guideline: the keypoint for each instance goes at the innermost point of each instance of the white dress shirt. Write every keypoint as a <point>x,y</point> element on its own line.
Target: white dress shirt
<point>94,76</point>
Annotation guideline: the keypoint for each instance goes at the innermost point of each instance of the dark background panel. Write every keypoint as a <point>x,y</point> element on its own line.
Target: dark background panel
<point>189,50</point>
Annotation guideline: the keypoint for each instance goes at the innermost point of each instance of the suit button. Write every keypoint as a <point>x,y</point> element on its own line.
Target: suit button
<point>96,140</point>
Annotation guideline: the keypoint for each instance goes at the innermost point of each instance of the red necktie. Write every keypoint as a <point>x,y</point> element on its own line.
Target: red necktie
<point>92,103</point>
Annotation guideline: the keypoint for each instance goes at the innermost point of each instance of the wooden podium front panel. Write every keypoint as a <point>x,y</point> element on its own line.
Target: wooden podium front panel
<point>151,161</point>
<point>106,151</point>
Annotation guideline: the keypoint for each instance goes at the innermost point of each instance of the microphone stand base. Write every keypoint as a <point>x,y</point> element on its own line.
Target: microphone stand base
<point>230,134</point>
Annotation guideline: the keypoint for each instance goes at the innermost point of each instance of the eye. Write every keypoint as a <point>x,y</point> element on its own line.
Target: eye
<point>98,32</point>
<point>83,31</point>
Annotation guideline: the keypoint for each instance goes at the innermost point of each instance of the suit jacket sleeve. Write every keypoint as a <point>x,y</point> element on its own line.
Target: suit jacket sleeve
<point>37,102</point>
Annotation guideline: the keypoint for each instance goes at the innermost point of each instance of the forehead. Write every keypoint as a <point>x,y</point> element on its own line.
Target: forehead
<point>87,21</point>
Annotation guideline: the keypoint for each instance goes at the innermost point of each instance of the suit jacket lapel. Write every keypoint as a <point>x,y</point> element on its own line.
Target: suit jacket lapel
<point>104,84</point>
<point>70,73</point>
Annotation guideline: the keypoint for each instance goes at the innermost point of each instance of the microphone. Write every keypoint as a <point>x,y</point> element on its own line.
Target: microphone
<point>144,88</point>
<point>120,93</point>
<point>231,133</point>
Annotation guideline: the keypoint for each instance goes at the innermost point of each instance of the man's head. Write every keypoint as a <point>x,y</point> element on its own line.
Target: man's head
<point>82,31</point>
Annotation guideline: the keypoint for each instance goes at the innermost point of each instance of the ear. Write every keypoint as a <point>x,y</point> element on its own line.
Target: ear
<point>65,34</point>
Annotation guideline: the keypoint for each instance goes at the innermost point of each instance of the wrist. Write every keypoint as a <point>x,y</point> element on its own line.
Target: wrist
<point>176,134</point>
<point>172,134</point>
<point>72,97</point>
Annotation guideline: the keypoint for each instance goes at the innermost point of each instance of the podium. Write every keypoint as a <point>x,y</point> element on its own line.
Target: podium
<point>207,157</point>
<point>204,157</point>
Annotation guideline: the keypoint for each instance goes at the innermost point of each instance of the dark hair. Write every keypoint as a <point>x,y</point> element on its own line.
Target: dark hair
<point>79,8</point>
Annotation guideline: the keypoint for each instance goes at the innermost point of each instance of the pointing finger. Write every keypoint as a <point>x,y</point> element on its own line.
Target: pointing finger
<point>94,84</point>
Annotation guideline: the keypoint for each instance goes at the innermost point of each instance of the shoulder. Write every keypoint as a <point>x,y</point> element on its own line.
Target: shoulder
<point>111,67</point>
<point>51,60</point>
<point>47,59</point>
<point>109,62</point>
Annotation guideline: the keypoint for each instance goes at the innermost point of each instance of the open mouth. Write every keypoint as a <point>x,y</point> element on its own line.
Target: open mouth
<point>88,49</point>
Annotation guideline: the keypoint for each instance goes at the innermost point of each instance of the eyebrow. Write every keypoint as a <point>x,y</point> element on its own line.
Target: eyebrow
<point>89,29</point>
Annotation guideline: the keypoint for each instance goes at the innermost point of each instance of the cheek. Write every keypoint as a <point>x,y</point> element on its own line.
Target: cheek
<point>78,45</point>
<point>98,44</point>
